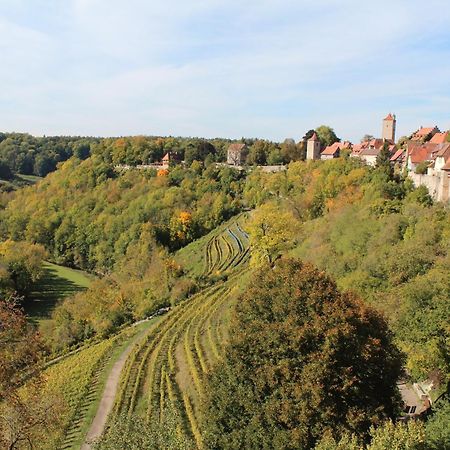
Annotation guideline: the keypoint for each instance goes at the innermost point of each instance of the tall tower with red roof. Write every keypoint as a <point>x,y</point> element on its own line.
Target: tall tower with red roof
<point>388,131</point>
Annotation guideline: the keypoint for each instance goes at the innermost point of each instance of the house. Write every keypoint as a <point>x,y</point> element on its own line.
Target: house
<point>334,150</point>
<point>439,138</point>
<point>423,133</point>
<point>442,156</point>
<point>369,155</point>
<point>416,400</point>
<point>313,147</point>
<point>237,154</point>
<point>376,143</point>
<point>419,153</point>
<point>358,148</point>
<point>398,159</point>
<point>165,163</point>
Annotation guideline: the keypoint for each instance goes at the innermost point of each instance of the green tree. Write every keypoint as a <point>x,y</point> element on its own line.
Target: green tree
<point>326,135</point>
<point>438,426</point>
<point>5,171</point>
<point>303,359</point>
<point>23,262</point>
<point>383,161</point>
<point>410,436</point>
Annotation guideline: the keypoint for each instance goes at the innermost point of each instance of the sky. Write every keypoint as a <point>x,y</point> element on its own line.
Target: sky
<point>223,68</point>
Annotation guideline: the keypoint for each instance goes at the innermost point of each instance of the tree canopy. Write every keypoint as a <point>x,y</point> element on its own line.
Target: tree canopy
<point>326,135</point>
<point>303,359</point>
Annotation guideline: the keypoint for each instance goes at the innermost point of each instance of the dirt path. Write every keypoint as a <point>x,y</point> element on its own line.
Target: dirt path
<point>107,401</point>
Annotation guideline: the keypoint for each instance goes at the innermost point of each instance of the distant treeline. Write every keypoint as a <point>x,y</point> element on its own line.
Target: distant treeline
<point>29,155</point>
<point>21,153</point>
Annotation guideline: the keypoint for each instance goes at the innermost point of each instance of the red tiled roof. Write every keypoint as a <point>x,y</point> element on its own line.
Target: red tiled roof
<point>389,117</point>
<point>236,147</point>
<point>376,143</point>
<point>424,131</point>
<point>425,152</point>
<point>166,157</point>
<point>332,149</point>
<point>447,166</point>
<point>443,150</point>
<point>357,148</point>
<point>313,137</point>
<point>439,138</point>
<point>370,151</point>
<point>397,155</point>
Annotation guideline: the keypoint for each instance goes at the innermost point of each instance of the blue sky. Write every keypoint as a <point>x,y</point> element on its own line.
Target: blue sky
<point>255,68</point>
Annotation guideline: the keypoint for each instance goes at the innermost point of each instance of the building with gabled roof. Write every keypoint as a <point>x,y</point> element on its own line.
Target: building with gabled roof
<point>334,150</point>
<point>313,147</point>
<point>424,132</point>
<point>442,156</point>
<point>237,154</point>
<point>420,153</point>
<point>439,138</point>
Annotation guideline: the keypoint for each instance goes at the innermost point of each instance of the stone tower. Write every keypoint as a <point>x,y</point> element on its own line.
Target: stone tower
<point>313,147</point>
<point>388,131</point>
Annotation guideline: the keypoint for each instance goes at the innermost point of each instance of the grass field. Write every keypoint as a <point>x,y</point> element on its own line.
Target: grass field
<point>29,179</point>
<point>58,282</point>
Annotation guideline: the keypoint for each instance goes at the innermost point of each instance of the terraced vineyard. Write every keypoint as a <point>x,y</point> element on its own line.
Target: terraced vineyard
<point>169,365</point>
<point>79,380</point>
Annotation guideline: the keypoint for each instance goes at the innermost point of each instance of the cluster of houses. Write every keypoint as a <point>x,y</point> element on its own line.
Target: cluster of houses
<point>425,155</point>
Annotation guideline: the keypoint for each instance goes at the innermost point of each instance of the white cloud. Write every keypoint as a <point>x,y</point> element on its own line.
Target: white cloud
<point>215,67</point>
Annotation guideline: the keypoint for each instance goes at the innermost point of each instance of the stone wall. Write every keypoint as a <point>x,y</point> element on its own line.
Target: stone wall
<point>437,183</point>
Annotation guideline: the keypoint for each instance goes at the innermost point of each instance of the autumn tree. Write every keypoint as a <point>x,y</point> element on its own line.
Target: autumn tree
<point>25,414</point>
<point>181,228</point>
<point>271,230</point>
<point>22,263</point>
<point>303,359</point>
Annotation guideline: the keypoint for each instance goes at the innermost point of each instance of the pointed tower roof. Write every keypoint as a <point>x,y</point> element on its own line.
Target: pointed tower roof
<point>313,137</point>
<point>389,117</point>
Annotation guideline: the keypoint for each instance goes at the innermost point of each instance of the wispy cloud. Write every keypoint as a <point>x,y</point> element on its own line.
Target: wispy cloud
<point>222,68</point>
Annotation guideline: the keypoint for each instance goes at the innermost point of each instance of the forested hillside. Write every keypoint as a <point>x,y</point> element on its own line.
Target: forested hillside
<point>194,238</point>
<point>28,155</point>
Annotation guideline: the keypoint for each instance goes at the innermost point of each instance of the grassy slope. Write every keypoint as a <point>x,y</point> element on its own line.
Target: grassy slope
<point>30,179</point>
<point>80,380</point>
<point>192,257</point>
<point>58,282</point>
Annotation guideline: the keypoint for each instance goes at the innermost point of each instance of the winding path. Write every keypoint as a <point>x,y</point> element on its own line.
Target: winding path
<point>108,396</point>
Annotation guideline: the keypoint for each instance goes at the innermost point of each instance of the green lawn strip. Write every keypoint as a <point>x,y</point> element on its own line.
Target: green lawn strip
<point>30,179</point>
<point>112,358</point>
<point>57,283</point>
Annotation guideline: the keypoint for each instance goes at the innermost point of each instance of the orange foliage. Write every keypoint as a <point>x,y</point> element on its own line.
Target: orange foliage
<point>162,173</point>
<point>185,217</point>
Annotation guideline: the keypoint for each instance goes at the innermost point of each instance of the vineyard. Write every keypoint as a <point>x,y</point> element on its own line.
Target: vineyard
<point>167,369</point>
<point>78,380</point>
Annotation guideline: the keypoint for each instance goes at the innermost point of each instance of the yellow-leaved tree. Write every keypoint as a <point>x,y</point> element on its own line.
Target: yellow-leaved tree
<point>272,229</point>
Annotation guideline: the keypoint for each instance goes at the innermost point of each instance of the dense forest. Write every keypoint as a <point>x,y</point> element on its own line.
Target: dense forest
<point>336,279</point>
<point>21,153</point>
